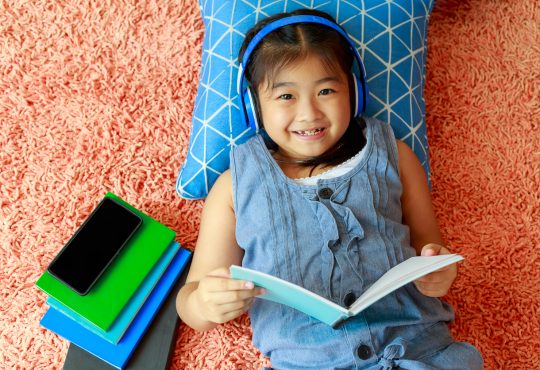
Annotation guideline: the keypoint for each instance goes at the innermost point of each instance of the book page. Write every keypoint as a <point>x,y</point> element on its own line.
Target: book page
<point>398,276</point>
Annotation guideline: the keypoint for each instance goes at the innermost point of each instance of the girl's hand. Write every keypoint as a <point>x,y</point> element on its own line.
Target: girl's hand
<point>437,283</point>
<point>221,299</point>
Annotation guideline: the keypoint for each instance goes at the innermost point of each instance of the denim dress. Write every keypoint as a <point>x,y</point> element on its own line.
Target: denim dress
<point>336,238</point>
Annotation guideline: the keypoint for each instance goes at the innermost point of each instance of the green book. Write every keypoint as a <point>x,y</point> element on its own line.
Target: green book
<point>102,305</point>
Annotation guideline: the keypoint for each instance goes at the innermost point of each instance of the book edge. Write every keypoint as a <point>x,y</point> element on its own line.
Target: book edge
<point>289,285</point>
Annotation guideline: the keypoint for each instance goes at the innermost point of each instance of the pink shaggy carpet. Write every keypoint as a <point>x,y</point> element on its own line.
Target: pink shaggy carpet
<point>97,96</point>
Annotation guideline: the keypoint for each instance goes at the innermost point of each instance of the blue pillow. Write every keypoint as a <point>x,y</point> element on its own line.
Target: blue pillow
<point>391,38</point>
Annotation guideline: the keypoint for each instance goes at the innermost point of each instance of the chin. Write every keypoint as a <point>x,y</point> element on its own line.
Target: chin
<point>309,155</point>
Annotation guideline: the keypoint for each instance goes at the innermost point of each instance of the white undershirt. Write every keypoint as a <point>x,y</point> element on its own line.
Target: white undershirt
<point>336,171</point>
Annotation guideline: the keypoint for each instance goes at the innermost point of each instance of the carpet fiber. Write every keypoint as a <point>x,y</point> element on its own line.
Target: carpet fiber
<point>97,96</point>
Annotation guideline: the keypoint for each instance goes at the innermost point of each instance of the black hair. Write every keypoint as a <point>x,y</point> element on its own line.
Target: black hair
<point>290,43</point>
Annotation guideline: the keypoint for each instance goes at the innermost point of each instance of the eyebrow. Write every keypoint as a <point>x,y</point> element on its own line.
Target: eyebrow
<point>322,80</point>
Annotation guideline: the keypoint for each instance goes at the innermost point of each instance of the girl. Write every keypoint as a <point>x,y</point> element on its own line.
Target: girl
<point>328,201</point>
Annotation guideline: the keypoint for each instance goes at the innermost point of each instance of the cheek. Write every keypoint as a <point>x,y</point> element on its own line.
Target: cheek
<point>273,115</point>
<point>345,111</point>
<point>346,105</point>
<point>339,111</point>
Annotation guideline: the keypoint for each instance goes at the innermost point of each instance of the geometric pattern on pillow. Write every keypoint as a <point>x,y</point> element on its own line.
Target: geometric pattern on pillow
<point>390,36</point>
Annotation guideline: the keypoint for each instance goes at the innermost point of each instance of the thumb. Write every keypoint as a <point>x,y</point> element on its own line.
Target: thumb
<point>431,249</point>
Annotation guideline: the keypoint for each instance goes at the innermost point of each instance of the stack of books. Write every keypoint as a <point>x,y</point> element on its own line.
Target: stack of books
<point>111,319</point>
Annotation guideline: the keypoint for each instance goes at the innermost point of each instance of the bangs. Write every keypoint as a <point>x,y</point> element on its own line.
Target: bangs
<point>269,64</point>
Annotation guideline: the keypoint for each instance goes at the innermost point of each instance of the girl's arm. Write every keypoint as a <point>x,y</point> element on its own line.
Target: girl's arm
<point>419,215</point>
<point>210,296</point>
<point>418,211</point>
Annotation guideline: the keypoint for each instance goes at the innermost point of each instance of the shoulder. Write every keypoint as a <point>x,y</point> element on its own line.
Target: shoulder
<point>410,168</point>
<point>224,179</point>
<point>375,123</point>
<point>255,140</point>
<point>221,191</point>
<point>404,151</point>
<point>241,153</point>
<point>382,131</point>
<point>381,134</point>
<point>405,154</point>
<point>223,183</point>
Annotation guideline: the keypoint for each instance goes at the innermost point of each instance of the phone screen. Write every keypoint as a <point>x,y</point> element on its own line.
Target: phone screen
<point>95,244</point>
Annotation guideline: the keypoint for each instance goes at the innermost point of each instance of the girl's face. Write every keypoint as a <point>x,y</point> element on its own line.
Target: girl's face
<point>306,109</point>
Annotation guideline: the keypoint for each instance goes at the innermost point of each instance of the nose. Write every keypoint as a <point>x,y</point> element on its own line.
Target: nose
<point>308,110</point>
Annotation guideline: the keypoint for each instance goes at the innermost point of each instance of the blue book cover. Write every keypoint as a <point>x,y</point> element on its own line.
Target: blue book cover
<point>119,326</point>
<point>119,354</point>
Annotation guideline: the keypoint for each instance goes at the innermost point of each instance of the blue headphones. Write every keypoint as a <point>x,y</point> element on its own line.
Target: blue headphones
<point>245,94</point>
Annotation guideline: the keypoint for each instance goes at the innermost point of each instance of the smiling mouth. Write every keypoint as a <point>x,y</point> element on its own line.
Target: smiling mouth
<point>310,132</point>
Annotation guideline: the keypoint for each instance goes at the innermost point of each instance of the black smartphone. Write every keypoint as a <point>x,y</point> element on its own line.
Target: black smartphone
<point>95,245</point>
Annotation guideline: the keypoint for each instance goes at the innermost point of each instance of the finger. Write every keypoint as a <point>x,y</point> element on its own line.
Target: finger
<point>430,249</point>
<point>227,312</point>
<point>232,296</point>
<point>218,284</point>
<point>425,280</point>
<point>242,305</point>
<point>432,289</point>
<point>429,286</point>
<point>230,316</point>
<point>441,273</point>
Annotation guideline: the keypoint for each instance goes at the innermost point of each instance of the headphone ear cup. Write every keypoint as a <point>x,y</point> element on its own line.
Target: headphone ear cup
<point>362,96</point>
<point>360,92</point>
<point>250,106</point>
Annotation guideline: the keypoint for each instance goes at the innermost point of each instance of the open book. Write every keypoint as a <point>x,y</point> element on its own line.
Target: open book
<point>284,292</point>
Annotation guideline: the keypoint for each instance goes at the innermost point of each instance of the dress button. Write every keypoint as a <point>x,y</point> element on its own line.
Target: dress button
<point>364,352</point>
<point>349,299</point>
<point>325,193</point>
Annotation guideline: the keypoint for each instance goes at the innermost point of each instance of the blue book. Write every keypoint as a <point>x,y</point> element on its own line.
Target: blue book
<point>119,326</point>
<point>119,354</point>
<point>284,292</point>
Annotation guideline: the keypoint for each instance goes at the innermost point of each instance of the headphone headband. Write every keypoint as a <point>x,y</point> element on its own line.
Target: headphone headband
<point>272,26</point>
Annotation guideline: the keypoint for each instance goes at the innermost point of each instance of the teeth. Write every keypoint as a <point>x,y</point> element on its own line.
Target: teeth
<point>310,132</point>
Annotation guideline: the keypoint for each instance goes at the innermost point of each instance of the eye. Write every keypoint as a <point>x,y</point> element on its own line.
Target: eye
<point>285,97</point>
<point>326,91</point>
